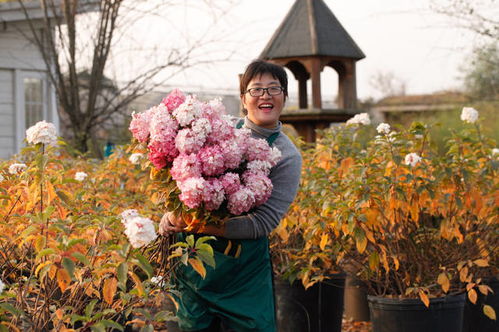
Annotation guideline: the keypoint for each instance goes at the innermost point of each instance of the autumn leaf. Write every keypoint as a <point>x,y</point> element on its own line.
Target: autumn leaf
<point>443,280</point>
<point>472,296</point>
<point>424,298</point>
<point>324,240</point>
<point>109,289</point>
<point>481,262</point>
<point>361,242</point>
<point>197,265</point>
<point>63,279</point>
<point>489,312</point>
<point>463,274</point>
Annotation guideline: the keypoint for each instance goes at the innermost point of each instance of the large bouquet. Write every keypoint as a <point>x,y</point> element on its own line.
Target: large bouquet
<point>204,166</point>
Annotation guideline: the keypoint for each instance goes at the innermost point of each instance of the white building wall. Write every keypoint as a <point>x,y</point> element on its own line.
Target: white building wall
<point>19,59</point>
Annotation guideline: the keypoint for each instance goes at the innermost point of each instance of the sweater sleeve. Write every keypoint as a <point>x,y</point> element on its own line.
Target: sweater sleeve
<point>285,177</point>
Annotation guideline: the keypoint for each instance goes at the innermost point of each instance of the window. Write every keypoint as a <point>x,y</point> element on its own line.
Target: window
<point>33,101</point>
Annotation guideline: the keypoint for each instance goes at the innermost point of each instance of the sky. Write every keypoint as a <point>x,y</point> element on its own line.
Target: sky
<point>403,37</point>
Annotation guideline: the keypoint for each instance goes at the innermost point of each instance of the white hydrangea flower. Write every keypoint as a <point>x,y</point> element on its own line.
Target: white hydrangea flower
<point>80,176</point>
<point>383,128</point>
<point>42,132</point>
<point>140,231</point>
<point>412,159</point>
<point>362,118</point>
<point>2,286</point>
<point>469,114</point>
<point>495,151</point>
<point>128,214</point>
<point>135,158</point>
<point>158,281</point>
<point>17,168</point>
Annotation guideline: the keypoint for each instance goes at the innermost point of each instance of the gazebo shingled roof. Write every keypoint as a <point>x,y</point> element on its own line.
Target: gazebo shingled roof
<point>311,29</point>
<point>309,39</point>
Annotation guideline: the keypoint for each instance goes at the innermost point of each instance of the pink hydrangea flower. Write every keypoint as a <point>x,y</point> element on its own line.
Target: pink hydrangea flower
<point>262,166</point>
<point>259,184</point>
<point>221,131</point>
<point>161,153</point>
<point>260,149</point>
<point>173,100</point>
<point>185,166</point>
<point>213,194</point>
<point>212,160</point>
<point>241,201</point>
<point>188,142</point>
<point>192,191</point>
<point>139,126</point>
<point>201,126</point>
<point>232,154</point>
<point>188,111</point>
<point>231,182</point>
<point>163,127</point>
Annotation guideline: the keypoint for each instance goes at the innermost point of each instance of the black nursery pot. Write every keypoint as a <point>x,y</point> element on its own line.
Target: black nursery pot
<point>474,318</point>
<point>411,315</point>
<point>317,309</point>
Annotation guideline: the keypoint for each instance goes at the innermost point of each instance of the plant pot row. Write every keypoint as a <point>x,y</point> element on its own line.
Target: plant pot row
<point>320,308</point>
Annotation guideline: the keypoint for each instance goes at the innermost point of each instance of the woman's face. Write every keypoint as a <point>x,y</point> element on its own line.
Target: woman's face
<point>264,111</point>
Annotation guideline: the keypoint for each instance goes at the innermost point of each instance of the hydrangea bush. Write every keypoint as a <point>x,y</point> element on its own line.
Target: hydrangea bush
<point>71,258</point>
<point>405,219</point>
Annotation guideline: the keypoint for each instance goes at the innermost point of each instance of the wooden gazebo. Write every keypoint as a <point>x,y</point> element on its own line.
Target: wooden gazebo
<point>309,39</point>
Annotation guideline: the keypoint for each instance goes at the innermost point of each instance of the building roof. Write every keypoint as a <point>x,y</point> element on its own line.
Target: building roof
<point>12,10</point>
<point>311,29</point>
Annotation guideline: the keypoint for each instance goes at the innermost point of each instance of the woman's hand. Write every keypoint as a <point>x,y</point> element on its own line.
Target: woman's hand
<point>170,224</point>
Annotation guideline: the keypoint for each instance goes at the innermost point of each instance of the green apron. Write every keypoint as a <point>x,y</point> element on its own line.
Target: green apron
<point>238,291</point>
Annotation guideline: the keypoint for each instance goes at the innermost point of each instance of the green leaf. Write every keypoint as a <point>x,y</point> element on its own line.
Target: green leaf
<point>10,308</point>
<point>122,275</point>
<point>147,328</point>
<point>111,324</point>
<point>145,265</point>
<point>72,242</point>
<point>69,265</point>
<point>45,252</point>
<point>76,318</point>
<point>190,240</point>
<point>28,231</point>
<point>203,239</point>
<point>89,309</point>
<point>206,257</point>
<point>164,316</point>
<point>98,327</point>
<point>180,244</point>
<point>82,258</point>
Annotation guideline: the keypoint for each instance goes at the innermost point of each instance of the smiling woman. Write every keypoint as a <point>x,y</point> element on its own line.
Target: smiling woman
<point>263,93</point>
<point>238,294</point>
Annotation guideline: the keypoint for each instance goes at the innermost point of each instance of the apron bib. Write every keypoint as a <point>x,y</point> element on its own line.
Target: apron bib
<point>239,290</point>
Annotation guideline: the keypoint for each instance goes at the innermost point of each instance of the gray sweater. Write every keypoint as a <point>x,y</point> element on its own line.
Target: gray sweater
<point>285,177</point>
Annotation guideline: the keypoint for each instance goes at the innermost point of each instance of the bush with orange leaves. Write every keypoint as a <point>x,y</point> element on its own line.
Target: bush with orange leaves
<point>389,208</point>
<point>65,261</point>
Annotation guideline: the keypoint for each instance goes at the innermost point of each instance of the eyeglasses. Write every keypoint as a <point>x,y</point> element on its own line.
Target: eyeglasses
<point>272,91</point>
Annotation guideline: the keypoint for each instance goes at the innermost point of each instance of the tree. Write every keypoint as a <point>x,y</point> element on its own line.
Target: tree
<point>387,84</point>
<point>481,79</point>
<point>478,16</point>
<point>79,36</point>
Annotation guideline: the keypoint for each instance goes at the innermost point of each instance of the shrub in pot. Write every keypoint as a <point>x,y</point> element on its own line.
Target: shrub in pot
<point>415,218</point>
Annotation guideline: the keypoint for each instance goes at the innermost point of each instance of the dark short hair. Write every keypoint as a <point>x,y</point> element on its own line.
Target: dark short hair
<point>260,67</point>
